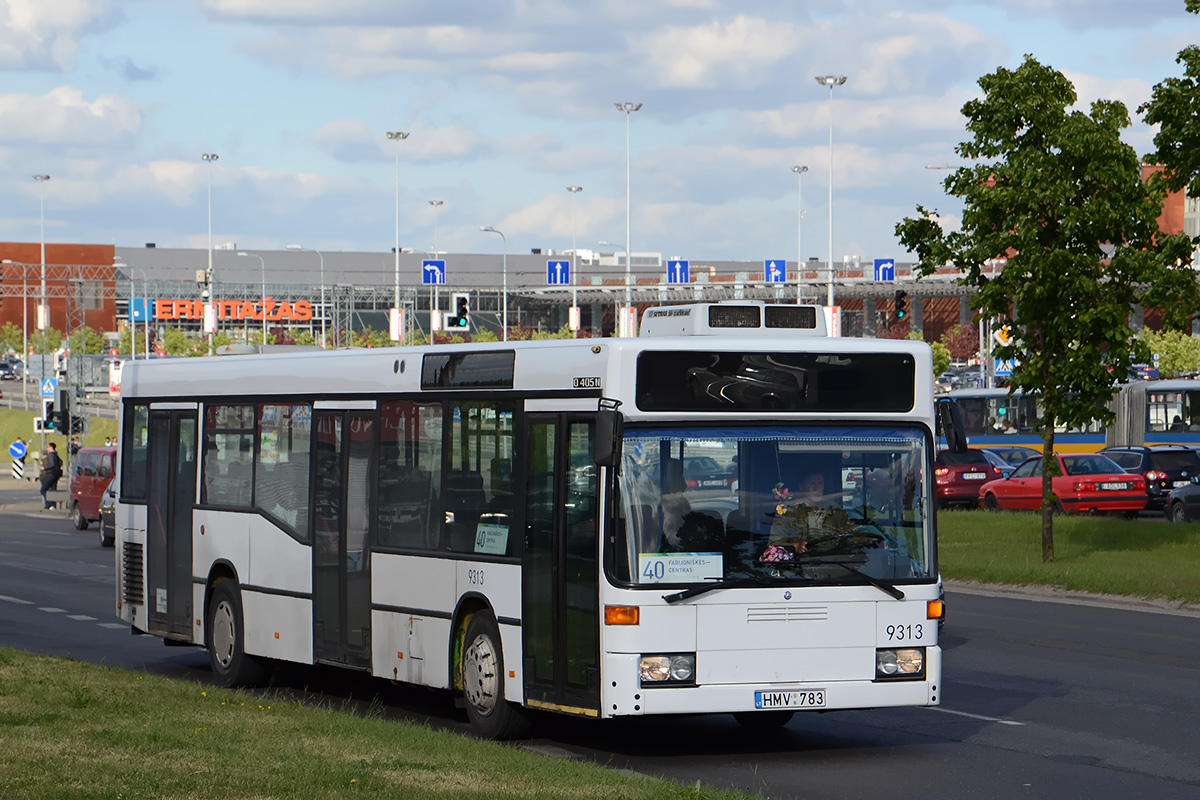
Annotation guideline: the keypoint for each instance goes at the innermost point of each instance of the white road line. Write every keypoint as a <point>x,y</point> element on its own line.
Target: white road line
<point>975,716</point>
<point>52,610</point>
<point>81,617</point>
<point>116,626</point>
<point>16,600</point>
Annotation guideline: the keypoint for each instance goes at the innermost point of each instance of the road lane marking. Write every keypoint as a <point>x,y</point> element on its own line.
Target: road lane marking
<point>116,626</point>
<point>16,600</point>
<point>52,610</point>
<point>975,716</point>
<point>81,617</point>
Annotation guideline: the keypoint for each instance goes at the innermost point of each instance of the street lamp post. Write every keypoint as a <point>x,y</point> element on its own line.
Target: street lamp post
<point>433,291</point>
<point>620,317</point>
<point>209,158</point>
<point>628,108</point>
<point>24,327</point>
<point>263,266</point>
<point>799,170</point>
<point>322,257</point>
<point>43,316</point>
<point>504,315</point>
<point>574,190</point>
<point>145,313</point>
<point>397,136</point>
<point>831,81</point>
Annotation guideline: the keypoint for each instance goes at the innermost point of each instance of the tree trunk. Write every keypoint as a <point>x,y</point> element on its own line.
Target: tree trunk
<point>1049,470</point>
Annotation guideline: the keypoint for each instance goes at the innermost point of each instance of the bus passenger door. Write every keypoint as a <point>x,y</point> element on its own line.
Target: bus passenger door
<point>171,493</point>
<point>560,618</point>
<point>344,453</point>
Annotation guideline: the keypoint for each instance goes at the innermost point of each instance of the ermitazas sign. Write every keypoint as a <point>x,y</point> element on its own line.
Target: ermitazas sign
<point>300,311</point>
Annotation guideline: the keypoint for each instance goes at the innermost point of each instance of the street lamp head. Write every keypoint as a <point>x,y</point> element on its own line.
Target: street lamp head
<point>209,157</point>
<point>831,80</point>
<point>295,247</point>
<point>41,178</point>
<point>397,135</point>
<point>799,170</point>
<point>435,203</point>
<point>574,189</point>
<point>628,108</point>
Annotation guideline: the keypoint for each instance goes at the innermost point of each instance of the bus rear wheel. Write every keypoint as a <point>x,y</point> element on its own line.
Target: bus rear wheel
<point>491,715</point>
<point>225,638</point>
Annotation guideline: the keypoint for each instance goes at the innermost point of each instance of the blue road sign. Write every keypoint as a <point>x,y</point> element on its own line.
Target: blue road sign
<point>775,270</point>
<point>1004,368</point>
<point>138,307</point>
<point>49,387</point>
<point>558,272</point>
<point>433,270</point>
<point>17,450</point>
<point>885,269</point>
<point>677,272</point>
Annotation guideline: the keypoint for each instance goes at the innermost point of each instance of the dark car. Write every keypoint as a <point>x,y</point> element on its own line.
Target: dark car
<point>958,477</point>
<point>1012,453</point>
<point>705,472</point>
<point>108,516</point>
<point>1164,466</point>
<point>7,373</point>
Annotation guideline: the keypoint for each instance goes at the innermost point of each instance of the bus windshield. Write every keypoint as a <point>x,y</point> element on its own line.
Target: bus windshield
<point>773,504</point>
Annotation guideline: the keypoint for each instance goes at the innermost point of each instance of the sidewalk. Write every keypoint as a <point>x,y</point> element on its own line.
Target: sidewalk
<point>23,496</point>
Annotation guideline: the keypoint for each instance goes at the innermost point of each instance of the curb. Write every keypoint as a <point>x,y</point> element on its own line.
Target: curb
<point>1053,594</point>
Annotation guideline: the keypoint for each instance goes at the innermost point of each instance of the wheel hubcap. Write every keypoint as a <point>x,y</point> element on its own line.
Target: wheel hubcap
<point>480,675</point>
<point>222,634</point>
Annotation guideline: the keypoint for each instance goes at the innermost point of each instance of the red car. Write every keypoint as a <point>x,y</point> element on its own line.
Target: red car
<point>1090,483</point>
<point>959,476</point>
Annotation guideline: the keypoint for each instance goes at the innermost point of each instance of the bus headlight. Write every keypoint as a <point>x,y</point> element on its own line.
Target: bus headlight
<point>678,668</point>
<point>899,663</point>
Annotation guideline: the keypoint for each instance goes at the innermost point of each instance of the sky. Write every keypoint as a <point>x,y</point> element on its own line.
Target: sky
<point>509,102</point>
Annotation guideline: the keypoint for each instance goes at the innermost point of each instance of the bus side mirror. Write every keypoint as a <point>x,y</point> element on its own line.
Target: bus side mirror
<point>950,425</point>
<point>610,428</point>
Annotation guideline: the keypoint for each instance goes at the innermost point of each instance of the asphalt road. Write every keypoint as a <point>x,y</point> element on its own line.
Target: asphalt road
<point>1042,698</point>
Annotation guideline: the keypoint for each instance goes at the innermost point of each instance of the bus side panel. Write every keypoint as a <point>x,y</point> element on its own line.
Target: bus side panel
<point>501,584</point>
<point>422,591</point>
<point>217,536</point>
<point>277,561</point>
<point>131,530</point>
<point>278,626</point>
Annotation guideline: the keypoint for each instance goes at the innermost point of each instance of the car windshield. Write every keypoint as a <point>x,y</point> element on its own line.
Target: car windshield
<point>787,504</point>
<point>1090,465</point>
<point>947,458</point>
<point>1174,460</point>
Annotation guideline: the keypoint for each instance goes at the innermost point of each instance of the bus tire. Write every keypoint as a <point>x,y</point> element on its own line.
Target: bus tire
<point>225,638</point>
<point>490,714</point>
<point>763,720</point>
<point>77,518</point>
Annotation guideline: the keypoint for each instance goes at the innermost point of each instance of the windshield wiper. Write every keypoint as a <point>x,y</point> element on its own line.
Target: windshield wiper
<point>734,583</point>
<point>878,583</point>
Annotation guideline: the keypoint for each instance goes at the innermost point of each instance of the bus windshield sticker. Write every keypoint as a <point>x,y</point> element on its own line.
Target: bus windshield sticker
<point>680,567</point>
<point>491,539</point>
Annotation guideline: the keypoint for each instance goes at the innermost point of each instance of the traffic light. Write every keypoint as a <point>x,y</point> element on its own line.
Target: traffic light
<point>63,423</point>
<point>49,417</point>
<point>462,311</point>
<point>901,304</point>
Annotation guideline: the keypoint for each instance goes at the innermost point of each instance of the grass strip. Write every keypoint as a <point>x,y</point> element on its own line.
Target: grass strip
<point>69,729</point>
<point>1104,555</point>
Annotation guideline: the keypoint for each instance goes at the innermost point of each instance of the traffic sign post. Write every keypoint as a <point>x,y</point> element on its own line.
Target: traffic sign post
<point>885,269</point>
<point>558,273</point>
<point>677,271</point>
<point>775,270</point>
<point>49,387</point>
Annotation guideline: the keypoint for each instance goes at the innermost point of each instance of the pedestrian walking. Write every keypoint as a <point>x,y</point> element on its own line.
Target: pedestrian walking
<point>52,470</point>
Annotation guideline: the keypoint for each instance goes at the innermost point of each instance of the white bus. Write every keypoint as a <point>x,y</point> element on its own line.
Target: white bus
<point>731,513</point>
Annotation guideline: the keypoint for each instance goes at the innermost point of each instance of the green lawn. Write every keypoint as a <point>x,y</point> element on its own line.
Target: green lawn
<point>74,730</point>
<point>1141,558</point>
<point>14,423</point>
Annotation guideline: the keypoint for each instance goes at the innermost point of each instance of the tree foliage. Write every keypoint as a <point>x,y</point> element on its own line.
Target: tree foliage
<point>87,341</point>
<point>1176,352</point>
<point>12,339</point>
<point>1060,195</point>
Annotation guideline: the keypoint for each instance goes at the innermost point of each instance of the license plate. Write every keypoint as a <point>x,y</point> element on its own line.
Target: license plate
<point>795,698</point>
<point>973,476</point>
<point>1177,484</point>
<point>712,483</point>
<point>1112,487</point>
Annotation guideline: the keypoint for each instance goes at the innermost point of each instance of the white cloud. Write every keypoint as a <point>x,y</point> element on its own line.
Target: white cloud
<point>63,116</point>
<point>737,52</point>
<point>45,34</point>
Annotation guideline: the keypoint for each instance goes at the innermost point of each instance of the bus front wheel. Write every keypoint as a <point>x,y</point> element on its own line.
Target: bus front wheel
<point>491,715</point>
<point>225,637</point>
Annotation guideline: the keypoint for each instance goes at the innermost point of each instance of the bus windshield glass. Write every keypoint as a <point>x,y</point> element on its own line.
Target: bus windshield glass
<point>787,504</point>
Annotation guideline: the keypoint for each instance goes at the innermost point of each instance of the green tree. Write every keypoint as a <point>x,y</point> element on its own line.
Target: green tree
<point>87,341</point>
<point>45,342</point>
<point>1177,353</point>
<point>1174,106</point>
<point>11,338</point>
<point>1050,188</point>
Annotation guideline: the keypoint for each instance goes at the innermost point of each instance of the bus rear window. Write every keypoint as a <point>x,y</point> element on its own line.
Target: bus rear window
<point>738,381</point>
